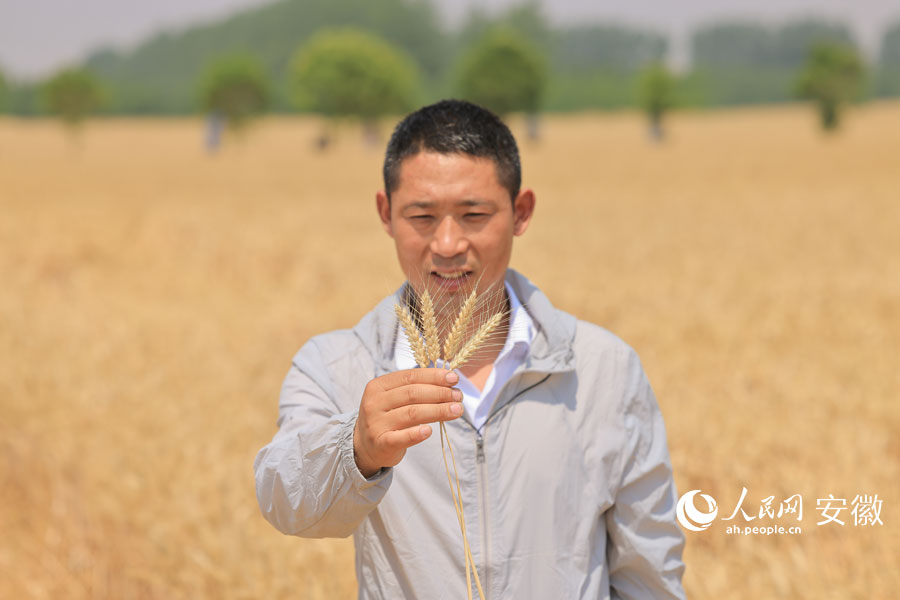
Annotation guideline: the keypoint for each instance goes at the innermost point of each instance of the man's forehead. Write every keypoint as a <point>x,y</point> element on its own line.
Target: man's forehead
<point>436,167</point>
<point>445,160</point>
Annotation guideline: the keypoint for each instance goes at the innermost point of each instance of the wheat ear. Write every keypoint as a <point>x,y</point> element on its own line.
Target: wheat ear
<point>472,345</point>
<point>455,337</point>
<point>412,334</point>
<point>429,325</point>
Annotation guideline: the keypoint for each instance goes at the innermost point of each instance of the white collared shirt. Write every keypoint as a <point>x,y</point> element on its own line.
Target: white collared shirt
<point>478,404</point>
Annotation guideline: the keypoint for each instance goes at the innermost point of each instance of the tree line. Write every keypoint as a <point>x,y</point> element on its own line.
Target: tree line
<point>571,67</point>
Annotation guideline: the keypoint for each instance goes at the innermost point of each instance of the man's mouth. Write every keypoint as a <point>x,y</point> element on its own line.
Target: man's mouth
<point>453,275</point>
<point>450,280</point>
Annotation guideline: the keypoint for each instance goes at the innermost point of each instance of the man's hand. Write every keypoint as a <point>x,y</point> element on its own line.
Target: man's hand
<point>394,413</point>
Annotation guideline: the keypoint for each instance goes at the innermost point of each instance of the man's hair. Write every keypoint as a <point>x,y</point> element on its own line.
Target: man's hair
<point>451,127</point>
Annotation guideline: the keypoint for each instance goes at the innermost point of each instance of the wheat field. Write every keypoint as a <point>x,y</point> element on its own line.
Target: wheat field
<point>152,297</point>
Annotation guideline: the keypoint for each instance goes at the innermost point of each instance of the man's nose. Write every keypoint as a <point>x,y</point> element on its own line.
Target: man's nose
<point>449,239</point>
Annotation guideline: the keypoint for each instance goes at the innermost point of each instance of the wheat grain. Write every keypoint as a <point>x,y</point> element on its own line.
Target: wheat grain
<point>412,334</point>
<point>476,341</point>
<point>455,337</point>
<point>429,325</point>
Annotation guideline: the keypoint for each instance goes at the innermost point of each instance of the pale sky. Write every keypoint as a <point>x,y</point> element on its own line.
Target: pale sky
<point>38,36</point>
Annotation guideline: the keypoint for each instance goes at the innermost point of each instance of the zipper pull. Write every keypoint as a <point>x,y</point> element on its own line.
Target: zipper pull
<point>479,449</point>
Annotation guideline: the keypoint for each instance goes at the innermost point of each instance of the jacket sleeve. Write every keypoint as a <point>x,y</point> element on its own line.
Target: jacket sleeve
<point>644,541</point>
<point>307,481</point>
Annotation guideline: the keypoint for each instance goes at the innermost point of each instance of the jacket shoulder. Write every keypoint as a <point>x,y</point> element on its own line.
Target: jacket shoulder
<point>608,364</point>
<point>330,346</point>
<point>334,361</point>
<point>593,341</point>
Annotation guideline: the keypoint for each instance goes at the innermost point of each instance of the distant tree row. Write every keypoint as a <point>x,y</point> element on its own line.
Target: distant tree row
<point>587,65</point>
<point>349,73</point>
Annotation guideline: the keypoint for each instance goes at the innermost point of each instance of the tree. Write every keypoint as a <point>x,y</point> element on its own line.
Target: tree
<point>235,89</point>
<point>72,94</point>
<point>504,73</point>
<point>833,76</point>
<point>348,73</point>
<point>656,90</point>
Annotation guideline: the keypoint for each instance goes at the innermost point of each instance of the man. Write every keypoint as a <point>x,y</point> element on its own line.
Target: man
<point>560,447</point>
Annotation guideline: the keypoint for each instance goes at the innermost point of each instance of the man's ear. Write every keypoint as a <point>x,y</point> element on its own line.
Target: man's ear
<point>523,210</point>
<point>383,206</point>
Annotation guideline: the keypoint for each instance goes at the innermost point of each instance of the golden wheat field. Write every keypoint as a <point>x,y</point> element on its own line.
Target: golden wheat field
<point>152,298</point>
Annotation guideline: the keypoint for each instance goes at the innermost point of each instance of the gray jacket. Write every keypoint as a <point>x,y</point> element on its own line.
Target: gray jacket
<point>567,488</point>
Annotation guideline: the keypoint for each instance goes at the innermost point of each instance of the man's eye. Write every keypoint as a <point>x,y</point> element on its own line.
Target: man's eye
<point>420,217</point>
<point>473,215</point>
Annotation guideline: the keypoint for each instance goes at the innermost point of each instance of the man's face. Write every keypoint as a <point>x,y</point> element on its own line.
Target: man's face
<point>452,222</point>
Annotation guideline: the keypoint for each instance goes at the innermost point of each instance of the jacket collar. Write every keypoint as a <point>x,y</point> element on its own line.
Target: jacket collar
<point>551,351</point>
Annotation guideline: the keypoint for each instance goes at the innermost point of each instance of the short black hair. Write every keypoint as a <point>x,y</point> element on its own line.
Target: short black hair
<point>450,127</point>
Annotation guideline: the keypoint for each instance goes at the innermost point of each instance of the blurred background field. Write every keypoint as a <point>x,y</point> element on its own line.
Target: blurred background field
<point>153,296</point>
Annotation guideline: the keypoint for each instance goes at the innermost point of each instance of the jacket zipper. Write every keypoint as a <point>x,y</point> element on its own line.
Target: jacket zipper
<point>485,524</point>
<point>482,481</point>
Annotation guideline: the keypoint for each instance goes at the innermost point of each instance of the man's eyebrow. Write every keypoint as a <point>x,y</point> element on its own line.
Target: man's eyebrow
<point>430,204</point>
<point>420,204</point>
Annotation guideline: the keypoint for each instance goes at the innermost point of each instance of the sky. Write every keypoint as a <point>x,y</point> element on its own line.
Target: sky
<point>39,36</point>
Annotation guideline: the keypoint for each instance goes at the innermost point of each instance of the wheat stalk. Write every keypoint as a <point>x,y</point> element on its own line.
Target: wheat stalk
<point>456,351</point>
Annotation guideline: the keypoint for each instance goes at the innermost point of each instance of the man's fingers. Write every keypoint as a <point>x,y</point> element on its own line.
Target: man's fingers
<point>432,376</point>
<point>396,409</point>
<point>404,417</point>
<point>399,440</point>
<point>420,393</point>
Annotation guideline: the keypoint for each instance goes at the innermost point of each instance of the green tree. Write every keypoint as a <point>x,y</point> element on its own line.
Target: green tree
<point>72,94</point>
<point>656,95</point>
<point>504,73</point>
<point>351,73</point>
<point>833,76</point>
<point>236,89</point>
